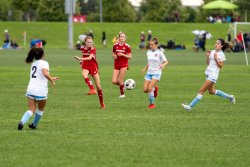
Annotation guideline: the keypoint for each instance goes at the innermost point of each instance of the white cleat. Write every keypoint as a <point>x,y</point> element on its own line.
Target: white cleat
<point>122,96</point>
<point>186,107</point>
<point>232,99</point>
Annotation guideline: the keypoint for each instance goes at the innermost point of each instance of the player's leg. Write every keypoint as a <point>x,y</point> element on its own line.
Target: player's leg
<point>115,77</point>
<point>224,95</point>
<point>99,89</point>
<point>152,85</point>
<point>207,84</point>
<point>39,112</point>
<point>121,81</point>
<point>85,74</point>
<point>26,116</point>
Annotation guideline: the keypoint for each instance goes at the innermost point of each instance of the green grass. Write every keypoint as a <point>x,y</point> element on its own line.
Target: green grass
<point>56,33</point>
<point>74,131</point>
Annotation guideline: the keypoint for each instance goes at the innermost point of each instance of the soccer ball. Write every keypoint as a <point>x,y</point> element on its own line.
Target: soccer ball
<point>129,84</point>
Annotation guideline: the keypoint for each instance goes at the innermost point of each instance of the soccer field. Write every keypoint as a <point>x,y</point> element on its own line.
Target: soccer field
<point>75,131</point>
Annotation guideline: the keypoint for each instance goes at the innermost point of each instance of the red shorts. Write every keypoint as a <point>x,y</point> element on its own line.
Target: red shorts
<point>118,67</point>
<point>92,70</point>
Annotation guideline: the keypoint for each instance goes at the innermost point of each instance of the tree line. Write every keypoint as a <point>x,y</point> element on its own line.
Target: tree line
<point>113,11</point>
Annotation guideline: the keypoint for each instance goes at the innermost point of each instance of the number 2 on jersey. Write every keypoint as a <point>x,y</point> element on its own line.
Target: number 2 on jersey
<point>34,68</point>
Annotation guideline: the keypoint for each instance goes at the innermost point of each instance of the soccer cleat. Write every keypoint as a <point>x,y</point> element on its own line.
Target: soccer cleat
<point>156,91</point>
<point>91,92</point>
<point>103,106</point>
<point>122,96</point>
<point>232,99</point>
<point>32,126</point>
<point>20,126</point>
<point>151,106</point>
<point>186,107</point>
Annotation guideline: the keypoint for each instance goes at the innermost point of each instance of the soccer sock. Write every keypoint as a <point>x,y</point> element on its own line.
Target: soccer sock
<point>26,116</point>
<point>100,95</point>
<point>122,89</point>
<point>196,100</point>
<point>222,94</point>
<point>37,118</point>
<point>89,83</point>
<point>151,97</point>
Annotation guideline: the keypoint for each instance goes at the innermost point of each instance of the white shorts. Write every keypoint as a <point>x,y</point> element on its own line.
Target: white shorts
<point>155,76</point>
<point>36,97</point>
<point>210,79</point>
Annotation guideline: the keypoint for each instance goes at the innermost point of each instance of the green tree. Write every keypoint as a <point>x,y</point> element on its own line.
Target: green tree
<point>51,11</point>
<point>118,11</point>
<point>244,8</point>
<point>28,8</point>
<point>162,10</point>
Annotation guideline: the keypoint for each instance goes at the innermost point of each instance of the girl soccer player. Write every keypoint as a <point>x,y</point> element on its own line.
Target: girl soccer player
<point>38,87</point>
<point>156,62</point>
<point>121,54</point>
<point>215,61</point>
<point>90,66</point>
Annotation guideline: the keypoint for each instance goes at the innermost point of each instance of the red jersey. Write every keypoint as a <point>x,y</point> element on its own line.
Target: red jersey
<point>86,52</point>
<point>118,48</point>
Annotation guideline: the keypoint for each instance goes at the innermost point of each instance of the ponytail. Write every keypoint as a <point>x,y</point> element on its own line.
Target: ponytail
<point>224,44</point>
<point>34,52</point>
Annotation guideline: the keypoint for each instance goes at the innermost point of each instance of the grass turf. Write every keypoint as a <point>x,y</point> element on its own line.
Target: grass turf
<point>74,131</point>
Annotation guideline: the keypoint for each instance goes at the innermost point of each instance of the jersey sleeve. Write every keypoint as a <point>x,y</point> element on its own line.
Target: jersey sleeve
<point>45,65</point>
<point>163,57</point>
<point>114,50</point>
<point>221,57</point>
<point>128,49</point>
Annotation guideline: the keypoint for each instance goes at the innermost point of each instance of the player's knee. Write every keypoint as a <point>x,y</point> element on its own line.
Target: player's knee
<point>115,82</point>
<point>212,92</point>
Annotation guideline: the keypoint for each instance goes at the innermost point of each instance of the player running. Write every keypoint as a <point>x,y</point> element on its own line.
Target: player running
<point>215,61</point>
<point>90,66</point>
<point>156,62</point>
<point>37,90</point>
<point>121,54</point>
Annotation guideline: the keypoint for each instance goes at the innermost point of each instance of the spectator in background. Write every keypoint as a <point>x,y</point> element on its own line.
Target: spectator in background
<point>239,36</point>
<point>149,37</point>
<point>6,36</point>
<point>202,42</point>
<point>142,40</point>
<point>78,45</point>
<point>91,34</point>
<point>229,38</point>
<point>14,45</point>
<point>104,42</point>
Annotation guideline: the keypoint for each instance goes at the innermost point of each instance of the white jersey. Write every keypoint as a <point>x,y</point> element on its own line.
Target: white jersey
<point>213,70</point>
<point>155,59</point>
<point>38,85</point>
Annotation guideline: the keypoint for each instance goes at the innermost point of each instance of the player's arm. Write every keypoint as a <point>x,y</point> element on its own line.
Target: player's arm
<point>144,69</point>
<point>163,65</point>
<point>208,54</point>
<point>85,58</point>
<point>49,77</point>
<point>128,56</point>
<point>114,55</point>
<point>218,62</point>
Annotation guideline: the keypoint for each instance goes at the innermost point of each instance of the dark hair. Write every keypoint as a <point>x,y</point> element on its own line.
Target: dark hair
<point>224,44</point>
<point>155,40</point>
<point>36,53</point>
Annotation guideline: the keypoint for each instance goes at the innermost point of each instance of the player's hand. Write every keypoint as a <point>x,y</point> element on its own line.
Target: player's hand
<point>77,58</point>
<point>55,78</point>
<point>162,66</point>
<point>208,52</point>
<point>120,54</point>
